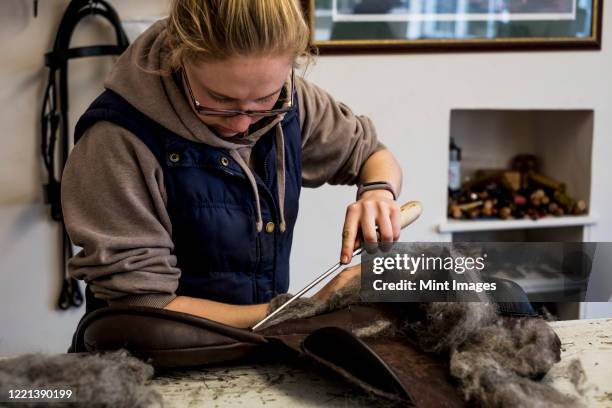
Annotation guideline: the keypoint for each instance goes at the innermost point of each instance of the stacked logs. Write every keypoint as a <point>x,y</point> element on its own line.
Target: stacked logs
<point>521,192</point>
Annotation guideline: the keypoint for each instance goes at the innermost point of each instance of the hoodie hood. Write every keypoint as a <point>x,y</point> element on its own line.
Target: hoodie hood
<point>136,78</point>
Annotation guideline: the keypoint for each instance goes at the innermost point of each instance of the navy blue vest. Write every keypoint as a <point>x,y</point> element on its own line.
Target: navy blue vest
<point>211,205</point>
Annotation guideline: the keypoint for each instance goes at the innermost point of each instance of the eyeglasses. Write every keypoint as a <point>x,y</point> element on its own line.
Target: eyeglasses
<point>236,112</point>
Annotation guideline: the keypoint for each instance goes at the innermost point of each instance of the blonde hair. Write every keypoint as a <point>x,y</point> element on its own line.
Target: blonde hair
<point>220,29</point>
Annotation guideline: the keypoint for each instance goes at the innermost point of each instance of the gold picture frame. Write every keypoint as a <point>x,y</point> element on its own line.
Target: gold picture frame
<point>383,26</point>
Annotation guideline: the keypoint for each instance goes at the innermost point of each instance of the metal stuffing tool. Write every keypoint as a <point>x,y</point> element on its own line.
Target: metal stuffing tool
<point>410,211</point>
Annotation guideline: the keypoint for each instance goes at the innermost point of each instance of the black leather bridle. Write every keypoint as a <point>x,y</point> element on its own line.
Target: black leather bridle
<point>55,129</point>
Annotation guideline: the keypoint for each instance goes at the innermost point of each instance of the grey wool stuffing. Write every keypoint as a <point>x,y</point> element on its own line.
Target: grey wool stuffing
<point>113,379</point>
<point>308,307</point>
<point>496,359</point>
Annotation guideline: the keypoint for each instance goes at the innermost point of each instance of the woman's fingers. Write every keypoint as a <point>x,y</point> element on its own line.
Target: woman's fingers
<point>373,219</point>
<point>368,222</point>
<point>385,227</point>
<point>349,232</point>
<point>396,223</point>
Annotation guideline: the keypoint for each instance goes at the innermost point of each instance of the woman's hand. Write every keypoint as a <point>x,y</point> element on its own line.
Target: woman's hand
<point>338,282</point>
<point>375,208</point>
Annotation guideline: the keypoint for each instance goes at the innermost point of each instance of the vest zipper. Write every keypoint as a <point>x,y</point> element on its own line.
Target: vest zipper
<point>266,183</point>
<point>267,180</point>
<point>257,270</point>
<point>258,240</point>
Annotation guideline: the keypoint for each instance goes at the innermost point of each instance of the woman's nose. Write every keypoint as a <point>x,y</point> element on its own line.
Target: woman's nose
<point>240,123</point>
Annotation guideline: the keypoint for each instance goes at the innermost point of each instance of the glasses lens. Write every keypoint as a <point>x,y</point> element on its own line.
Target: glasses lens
<point>231,113</point>
<point>209,112</point>
<point>286,101</point>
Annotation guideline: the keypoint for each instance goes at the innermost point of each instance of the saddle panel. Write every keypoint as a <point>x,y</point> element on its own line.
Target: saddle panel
<point>165,338</point>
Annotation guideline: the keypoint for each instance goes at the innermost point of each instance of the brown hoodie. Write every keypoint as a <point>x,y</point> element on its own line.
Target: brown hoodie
<point>113,193</point>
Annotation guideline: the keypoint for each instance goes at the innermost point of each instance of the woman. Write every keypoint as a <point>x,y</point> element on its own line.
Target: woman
<point>183,187</point>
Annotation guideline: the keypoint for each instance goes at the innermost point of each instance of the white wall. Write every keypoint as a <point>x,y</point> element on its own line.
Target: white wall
<point>409,97</point>
<point>29,251</point>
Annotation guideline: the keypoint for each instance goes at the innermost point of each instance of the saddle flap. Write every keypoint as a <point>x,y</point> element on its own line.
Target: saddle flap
<point>389,366</point>
<point>348,355</point>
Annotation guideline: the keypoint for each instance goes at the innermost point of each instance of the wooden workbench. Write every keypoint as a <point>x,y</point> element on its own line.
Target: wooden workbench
<point>298,383</point>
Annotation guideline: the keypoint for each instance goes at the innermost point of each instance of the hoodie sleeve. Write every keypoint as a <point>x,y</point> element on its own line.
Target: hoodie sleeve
<point>113,200</point>
<point>335,141</point>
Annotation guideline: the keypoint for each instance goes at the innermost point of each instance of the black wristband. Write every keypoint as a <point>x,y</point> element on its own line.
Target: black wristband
<point>375,185</point>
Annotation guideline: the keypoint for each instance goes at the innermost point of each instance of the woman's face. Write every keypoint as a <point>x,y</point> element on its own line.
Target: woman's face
<point>242,82</point>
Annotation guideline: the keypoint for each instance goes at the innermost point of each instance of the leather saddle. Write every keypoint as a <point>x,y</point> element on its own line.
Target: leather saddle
<point>362,342</point>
